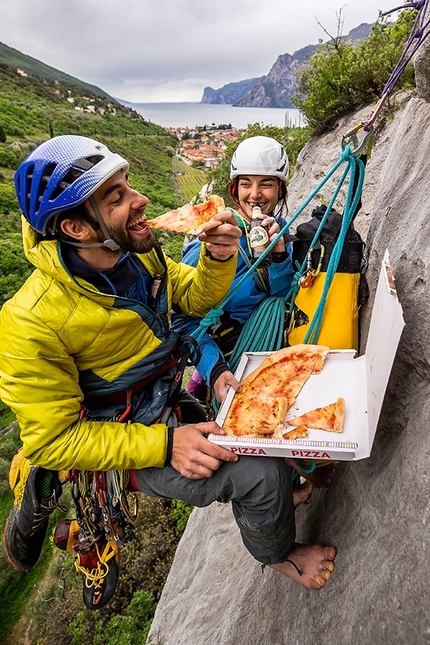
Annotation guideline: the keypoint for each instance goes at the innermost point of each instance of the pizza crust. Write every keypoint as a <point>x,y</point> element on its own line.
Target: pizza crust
<point>295,433</point>
<point>190,218</point>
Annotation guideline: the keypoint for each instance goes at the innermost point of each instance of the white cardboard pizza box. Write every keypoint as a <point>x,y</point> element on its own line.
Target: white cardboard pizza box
<point>360,381</point>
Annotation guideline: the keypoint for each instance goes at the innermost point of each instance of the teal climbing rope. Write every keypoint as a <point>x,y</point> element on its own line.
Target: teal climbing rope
<point>262,332</point>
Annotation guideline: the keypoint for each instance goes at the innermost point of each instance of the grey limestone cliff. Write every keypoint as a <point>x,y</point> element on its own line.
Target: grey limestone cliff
<point>377,510</point>
<point>278,87</point>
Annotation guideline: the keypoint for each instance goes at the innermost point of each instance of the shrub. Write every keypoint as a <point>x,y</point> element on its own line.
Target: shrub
<point>342,75</point>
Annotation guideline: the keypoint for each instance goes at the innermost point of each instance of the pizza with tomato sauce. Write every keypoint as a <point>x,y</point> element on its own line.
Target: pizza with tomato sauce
<point>260,408</point>
<point>328,417</point>
<point>190,218</point>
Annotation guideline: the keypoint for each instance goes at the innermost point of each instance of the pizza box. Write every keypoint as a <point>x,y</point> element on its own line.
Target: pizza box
<point>360,381</point>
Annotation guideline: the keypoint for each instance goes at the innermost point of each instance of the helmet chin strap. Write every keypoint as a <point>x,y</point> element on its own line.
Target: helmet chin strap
<point>108,242</point>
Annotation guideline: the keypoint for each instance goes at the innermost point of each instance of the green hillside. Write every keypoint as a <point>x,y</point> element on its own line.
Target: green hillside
<point>34,67</point>
<point>33,109</point>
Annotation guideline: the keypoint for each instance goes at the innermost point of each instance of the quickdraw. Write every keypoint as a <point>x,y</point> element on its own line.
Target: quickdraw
<point>105,508</point>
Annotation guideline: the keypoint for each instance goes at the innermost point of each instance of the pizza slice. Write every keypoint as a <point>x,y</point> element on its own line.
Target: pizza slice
<point>190,218</point>
<point>296,433</point>
<point>329,417</point>
<point>259,409</point>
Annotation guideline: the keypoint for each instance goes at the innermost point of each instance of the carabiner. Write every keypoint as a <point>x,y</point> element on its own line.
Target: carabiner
<point>350,139</point>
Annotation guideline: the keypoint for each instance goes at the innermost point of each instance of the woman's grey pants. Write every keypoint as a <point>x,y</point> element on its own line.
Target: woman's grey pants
<point>259,488</point>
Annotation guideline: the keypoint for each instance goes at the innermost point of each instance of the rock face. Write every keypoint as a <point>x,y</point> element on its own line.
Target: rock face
<point>422,58</point>
<point>229,94</point>
<point>321,153</point>
<point>376,510</point>
<point>279,86</point>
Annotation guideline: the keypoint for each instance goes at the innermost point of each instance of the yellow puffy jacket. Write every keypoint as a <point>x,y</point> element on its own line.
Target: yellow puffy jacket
<point>57,328</point>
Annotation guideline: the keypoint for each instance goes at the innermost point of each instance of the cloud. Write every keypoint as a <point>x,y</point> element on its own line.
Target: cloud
<point>165,48</point>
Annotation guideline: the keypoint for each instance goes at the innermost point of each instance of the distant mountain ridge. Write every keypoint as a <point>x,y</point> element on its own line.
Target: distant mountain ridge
<point>279,86</point>
<point>231,93</point>
<point>34,67</point>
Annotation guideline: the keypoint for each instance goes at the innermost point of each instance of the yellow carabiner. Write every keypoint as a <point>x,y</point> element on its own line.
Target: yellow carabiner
<point>318,269</point>
<point>350,139</point>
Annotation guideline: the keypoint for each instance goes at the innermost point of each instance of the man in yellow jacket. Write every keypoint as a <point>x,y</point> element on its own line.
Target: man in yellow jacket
<point>90,368</point>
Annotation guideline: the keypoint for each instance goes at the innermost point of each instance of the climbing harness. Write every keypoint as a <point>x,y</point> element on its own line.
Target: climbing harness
<point>106,508</point>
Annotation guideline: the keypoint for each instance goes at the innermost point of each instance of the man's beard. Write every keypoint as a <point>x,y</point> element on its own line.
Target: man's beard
<point>127,242</point>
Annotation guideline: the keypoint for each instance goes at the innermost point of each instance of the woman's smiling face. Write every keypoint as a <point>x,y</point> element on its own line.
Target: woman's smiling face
<point>257,189</point>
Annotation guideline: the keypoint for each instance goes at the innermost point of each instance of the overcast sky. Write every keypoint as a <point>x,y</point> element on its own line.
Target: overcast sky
<point>170,50</point>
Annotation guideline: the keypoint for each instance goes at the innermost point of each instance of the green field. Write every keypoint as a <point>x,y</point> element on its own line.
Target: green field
<point>189,180</point>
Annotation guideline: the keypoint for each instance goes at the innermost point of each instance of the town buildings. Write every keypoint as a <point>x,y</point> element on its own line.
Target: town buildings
<point>203,145</point>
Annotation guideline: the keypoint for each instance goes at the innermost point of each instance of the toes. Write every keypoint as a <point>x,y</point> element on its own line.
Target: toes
<point>320,582</point>
<point>330,552</point>
<point>329,565</point>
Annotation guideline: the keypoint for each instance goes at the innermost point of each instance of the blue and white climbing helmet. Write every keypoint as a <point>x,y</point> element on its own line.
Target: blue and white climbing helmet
<point>260,156</point>
<point>62,173</point>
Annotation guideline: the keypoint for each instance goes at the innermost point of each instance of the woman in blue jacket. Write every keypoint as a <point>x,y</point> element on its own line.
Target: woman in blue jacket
<point>258,173</point>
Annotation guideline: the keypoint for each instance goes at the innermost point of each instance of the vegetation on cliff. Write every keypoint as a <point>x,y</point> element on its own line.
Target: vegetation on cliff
<point>344,75</point>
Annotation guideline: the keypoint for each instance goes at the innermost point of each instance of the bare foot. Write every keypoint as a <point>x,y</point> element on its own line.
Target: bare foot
<point>302,493</point>
<point>321,476</point>
<point>309,565</point>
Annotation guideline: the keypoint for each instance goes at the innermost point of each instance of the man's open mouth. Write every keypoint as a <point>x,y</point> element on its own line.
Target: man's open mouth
<point>137,224</point>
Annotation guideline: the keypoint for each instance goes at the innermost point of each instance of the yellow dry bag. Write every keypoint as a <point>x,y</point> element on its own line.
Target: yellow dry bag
<point>348,289</point>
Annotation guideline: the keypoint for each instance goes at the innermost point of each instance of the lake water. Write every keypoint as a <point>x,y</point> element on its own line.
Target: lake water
<point>198,114</point>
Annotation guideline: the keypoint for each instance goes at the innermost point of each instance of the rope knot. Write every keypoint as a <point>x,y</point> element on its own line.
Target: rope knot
<point>346,153</point>
<point>295,280</point>
<point>213,317</point>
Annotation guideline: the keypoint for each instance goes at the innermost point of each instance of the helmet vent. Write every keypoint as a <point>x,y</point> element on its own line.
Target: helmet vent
<point>80,166</point>
<point>41,187</point>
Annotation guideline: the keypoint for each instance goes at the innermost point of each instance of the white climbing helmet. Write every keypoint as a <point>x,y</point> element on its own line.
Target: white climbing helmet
<point>260,156</point>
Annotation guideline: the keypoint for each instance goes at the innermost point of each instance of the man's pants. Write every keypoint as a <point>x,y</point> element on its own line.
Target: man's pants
<point>259,488</point>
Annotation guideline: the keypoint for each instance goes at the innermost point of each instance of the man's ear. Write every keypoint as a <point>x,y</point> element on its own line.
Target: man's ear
<point>76,228</point>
